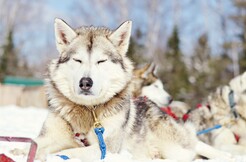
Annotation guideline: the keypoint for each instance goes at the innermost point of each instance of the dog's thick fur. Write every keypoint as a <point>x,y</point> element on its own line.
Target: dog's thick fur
<point>100,54</point>
<point>238,85</point>
<point>146,83</point>
<point>179,108</point>
<point>221,112</point>
<point>202,119</point>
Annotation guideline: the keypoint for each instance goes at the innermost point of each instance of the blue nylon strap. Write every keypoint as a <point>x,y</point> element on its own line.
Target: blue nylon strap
<point>232,103</point>
<point>64,157</point>
<point>99,132</point>
<point>231,99</point>
<point>209,129</point>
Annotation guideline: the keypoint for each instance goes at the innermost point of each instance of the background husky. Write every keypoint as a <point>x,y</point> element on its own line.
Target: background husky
<point>202,119</point>
<point>222,113</point>
<point>146,83</point>
<point>219,112</point>
<point>238,84</point>
<point>179,108</point>
<point>231,136</point>
<point>93,74</point>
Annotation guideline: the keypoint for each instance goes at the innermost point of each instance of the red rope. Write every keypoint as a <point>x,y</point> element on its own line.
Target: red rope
<point>185,117</point>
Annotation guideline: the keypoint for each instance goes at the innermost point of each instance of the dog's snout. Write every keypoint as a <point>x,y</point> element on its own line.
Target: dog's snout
<point>85,83</point>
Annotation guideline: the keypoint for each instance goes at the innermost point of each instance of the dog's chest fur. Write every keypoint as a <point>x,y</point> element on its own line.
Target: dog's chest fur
<point>80,117</point>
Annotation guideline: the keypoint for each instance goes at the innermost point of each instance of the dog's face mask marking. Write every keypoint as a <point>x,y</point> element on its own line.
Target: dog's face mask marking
<point>92,67</point>
<point>156,93</point>
<point>152,87</point>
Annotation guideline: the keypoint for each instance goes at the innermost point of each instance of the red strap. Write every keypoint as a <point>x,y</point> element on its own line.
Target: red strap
<point>169,111</point>
<point>185,117</point>
<point>237,137</point>
<point>198,106</point>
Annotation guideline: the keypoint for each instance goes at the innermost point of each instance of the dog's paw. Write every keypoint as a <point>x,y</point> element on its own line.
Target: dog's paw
<point>40,156</point>
<point>228,157</point>
<point>24,152</point>
<point>18,152</point>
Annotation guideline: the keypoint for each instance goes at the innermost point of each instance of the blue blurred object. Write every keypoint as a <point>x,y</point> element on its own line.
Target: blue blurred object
<point>64,157</point>
<point>22,81</point>
<point>209,129</point>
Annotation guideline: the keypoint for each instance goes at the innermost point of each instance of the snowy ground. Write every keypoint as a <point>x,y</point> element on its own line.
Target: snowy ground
<point>27,122</point>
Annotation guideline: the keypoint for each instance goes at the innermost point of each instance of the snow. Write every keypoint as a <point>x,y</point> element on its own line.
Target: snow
<point>27,122</point>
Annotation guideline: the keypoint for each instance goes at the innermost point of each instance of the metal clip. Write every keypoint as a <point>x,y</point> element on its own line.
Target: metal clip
<point>97,124</point>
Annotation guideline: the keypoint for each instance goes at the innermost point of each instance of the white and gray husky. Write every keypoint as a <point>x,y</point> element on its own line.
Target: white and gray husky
<point>90,83</point>
<point>146,83</point>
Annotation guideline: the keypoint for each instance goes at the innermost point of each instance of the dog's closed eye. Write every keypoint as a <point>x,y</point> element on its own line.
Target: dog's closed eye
<point>101,61</point>
<point>77,60</point>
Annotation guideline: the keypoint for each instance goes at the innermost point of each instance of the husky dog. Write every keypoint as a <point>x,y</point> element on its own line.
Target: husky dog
<point>231,137</point>
<point>146,83</point>
<point>90,84</point>
<point>238,84</point>
<point>201,118</point>
<point>179,108</point>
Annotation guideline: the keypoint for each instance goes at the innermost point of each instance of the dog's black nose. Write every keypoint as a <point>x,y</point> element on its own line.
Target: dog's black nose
<point>170,100</point>
<point>85,83</point>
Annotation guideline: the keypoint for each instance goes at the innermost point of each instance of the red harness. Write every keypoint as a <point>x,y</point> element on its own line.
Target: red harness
<point>79,137</point>
<point>185,117</point>
<point>169,111</point>
<point>140,102</point>
<point>198,106</point>
<point>237,137</point>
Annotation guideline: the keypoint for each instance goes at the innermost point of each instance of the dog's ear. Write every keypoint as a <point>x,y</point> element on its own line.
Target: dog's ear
<point>149,69</point>
<point>146,67</point>
<point>139,72</point>
<point>121,37</point>
<point>153,69</point>
<point>64,34</point>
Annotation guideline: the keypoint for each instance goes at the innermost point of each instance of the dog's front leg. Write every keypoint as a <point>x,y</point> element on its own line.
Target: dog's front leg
<point>88,154</point>
<point>210,152</point>
<point>56,135</point>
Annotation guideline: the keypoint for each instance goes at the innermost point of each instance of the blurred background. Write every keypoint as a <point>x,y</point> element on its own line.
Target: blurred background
<point>197,45</point>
